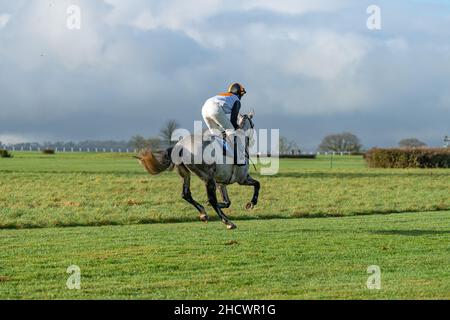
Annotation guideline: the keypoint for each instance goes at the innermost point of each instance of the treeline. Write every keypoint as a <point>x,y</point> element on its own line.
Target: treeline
<point>92,144</point>
<point>137,142</point>
<point>341,142</point>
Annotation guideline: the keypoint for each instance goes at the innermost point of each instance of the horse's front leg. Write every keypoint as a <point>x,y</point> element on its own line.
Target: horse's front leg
<point>256,185</point>
<point>211,190</point>
<point>226,200</point>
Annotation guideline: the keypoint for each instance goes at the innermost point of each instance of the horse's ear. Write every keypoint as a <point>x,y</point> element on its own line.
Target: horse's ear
<point>251,114</point>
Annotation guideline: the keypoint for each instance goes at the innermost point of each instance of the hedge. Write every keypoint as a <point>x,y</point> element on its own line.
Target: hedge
<point>292,156</point>
<point>297,156</point>
<point>408,158</point>
<point>48,151</point>
<point>5,154</point>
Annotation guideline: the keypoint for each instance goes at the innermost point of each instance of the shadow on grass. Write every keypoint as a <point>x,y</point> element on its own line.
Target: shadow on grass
<point>213,217</point>
<point>411,232</point>
<point>358,175</point>
<point>307,173</point>
<point>83,172</point>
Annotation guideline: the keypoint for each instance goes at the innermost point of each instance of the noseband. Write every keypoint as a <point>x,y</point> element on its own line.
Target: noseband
<point>246,117</point>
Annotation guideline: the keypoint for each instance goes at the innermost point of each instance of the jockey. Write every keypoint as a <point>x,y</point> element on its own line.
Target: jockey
<point>216,109</point>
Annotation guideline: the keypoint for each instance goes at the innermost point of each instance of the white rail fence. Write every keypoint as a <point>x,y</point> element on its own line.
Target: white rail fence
<point>39,149</point>
<point>130,150</point>
<point>334,153</point>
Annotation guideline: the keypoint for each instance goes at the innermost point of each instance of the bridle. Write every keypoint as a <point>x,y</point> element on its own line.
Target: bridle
<point>247,139</point>
<point>246,117</point>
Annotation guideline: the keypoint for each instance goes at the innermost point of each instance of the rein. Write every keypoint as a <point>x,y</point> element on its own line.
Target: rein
<point>247,154</point>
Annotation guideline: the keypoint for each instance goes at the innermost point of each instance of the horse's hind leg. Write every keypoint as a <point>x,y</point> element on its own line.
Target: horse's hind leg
<point>211,190</point>
<point>249,181</point>
<point>226,200</point>
<point>186,194</point>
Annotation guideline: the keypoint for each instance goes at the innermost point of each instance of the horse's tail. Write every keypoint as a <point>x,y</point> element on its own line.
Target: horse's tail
<point>156,162</point>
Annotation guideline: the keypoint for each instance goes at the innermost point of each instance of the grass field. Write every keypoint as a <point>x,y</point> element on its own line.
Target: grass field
<point>112,189</point>
<point>122,253</point>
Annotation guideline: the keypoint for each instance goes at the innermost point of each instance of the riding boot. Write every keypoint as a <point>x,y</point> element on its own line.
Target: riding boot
<point>231,147</point>
<point>237,153</point>
<point>225,144</point>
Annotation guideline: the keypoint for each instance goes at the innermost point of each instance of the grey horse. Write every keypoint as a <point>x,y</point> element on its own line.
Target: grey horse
<point>214,175</point>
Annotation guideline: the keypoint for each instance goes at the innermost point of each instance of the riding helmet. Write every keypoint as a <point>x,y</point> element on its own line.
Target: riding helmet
<point>237,89</point>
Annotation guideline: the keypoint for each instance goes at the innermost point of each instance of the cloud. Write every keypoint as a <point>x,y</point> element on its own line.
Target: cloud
<point>295,7</point>
<point>136,63</point>
<point>194,17</point>
<point>397,44</point>
<point>325,55</point>
<point>13,139</point>
<point>174,15</point>
<point>4,19</point>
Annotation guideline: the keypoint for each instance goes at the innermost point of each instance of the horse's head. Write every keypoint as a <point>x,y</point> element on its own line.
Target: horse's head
<point>245,123</point>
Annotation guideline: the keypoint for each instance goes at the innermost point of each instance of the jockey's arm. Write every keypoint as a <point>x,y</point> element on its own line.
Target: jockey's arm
<point>235,113</point>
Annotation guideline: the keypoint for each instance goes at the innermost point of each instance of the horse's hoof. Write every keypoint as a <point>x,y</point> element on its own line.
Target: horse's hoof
<point>231,226</point>
<point>249,206</point>
<point>204,217</point>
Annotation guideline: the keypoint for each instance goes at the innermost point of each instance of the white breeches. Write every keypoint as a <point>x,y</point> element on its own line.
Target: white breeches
<point>218,122</point>
<point>216,119</point>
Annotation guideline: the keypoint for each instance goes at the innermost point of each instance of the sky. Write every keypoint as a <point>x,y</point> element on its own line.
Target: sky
<point>310,67</point>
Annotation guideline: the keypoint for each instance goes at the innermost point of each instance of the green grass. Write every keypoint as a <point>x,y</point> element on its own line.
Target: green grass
<point>123,253</point>
<point>265,259</point>
<point>112,189</point>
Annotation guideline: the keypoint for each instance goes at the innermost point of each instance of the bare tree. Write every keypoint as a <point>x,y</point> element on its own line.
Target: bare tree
<point>286,146</point>
<point>342,142</point>
<point>167,131</point>
<point>140,143</point>
<point>411,143</point>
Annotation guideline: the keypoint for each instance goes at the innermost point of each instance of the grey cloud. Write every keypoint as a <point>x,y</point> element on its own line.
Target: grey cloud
<point>309,72</point>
